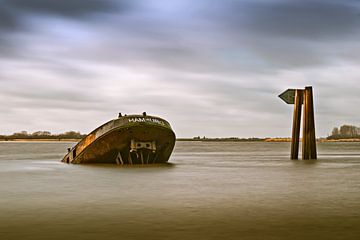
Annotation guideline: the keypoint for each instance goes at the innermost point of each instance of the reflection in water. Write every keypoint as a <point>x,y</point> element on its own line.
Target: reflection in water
<point>134,166</point>
<point>207,191</point>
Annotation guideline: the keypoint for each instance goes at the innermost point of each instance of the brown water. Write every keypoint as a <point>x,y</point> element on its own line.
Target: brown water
<point>209,191</point>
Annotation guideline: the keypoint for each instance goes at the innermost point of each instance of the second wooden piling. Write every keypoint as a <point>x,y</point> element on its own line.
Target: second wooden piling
<point>296,124</point>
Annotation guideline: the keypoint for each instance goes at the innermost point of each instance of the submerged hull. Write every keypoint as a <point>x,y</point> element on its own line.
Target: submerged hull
<point>133,139</point>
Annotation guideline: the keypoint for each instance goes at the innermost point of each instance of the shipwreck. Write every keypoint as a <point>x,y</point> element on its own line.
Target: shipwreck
<point>127,140</point>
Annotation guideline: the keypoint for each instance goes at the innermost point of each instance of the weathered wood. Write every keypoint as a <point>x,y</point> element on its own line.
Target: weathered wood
<point>312,137</point>
<point>296,124</point>
<point>309,139</point>
<point>305,128</point>
<point>300,97</point>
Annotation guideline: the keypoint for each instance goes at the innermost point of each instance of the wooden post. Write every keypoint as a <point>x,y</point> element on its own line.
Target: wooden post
<point>309,140</point>
<point>299,97</point>
<point>313,154</point>
<point>305,150</point>
<point>296,124</point>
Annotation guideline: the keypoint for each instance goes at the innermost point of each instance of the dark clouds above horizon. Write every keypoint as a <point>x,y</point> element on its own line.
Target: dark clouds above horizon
<point>210,67</point>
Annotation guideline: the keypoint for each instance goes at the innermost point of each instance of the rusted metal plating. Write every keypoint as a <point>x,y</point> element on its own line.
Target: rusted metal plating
<point>132,139</point>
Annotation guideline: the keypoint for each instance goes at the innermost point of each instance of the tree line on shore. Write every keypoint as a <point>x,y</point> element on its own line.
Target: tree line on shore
<point>342,132</point>
<point>43,135</point>
<point>345,132</point>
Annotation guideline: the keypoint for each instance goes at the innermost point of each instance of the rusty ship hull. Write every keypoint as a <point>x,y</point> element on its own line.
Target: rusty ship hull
<point>132,139</point>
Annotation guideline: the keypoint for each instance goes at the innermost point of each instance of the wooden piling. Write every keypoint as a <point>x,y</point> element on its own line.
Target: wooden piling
<point>296,124</point>
<point>309,139</point>
<point>313,154</point>
<point>305,150</point>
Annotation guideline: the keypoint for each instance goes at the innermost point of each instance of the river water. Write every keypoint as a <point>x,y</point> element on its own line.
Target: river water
<point>213,190</point>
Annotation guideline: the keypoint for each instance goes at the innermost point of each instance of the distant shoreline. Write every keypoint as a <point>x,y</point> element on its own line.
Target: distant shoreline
<point>341,140</point>
<point>40,140</point>
<point>186,140</point>
<point>220,139</point>
<point>265,140</point>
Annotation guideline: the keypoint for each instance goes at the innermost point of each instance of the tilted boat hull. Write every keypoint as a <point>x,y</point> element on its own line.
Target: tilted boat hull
<point>134,139</point>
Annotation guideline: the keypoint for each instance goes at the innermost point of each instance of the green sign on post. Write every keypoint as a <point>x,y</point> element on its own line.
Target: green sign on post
<point>288,96</point>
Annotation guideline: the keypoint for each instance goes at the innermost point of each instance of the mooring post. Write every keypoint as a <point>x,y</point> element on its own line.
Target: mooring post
<point>300,97</point>
<point>296,124</point>
<point>309,139</point>
<point>305,141</point>
<point>312,137</point>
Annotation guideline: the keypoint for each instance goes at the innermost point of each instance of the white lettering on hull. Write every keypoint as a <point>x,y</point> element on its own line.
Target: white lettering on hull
<point>141,119</point>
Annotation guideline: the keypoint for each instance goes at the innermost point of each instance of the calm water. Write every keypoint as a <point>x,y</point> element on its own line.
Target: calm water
<point>209,191</point>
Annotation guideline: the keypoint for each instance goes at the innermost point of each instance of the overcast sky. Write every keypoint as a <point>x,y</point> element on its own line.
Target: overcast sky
<point>210,67</point>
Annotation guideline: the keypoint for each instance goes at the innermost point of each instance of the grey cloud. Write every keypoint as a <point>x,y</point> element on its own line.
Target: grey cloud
<point>13,13</point>
<point>298,19</point>
<point>73,8</point>
<point>237,36</point>
<point>214,63</point>
<point>66,99</point>
<point>7,18</point>
<point>294,34</point>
